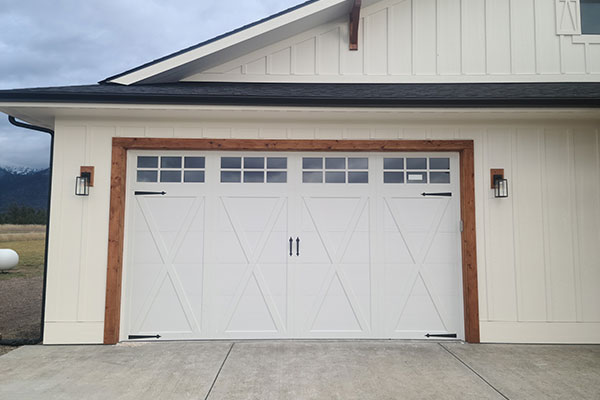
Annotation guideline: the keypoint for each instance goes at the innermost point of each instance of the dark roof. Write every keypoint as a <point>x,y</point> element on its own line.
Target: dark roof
<point>324,94</point>
<point>222,36</point>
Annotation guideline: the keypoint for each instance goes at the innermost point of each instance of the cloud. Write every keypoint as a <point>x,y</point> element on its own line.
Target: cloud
<point>70,42</point>
<point>23,147</point>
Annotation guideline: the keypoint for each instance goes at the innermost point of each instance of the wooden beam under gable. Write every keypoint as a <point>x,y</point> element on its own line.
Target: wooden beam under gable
<point>354,22</point>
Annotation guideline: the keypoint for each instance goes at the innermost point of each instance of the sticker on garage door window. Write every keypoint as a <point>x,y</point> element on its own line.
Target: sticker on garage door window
<point>253,169</point>
<point>416,170</point>
<point>335,170</point>
<point>170,169</point>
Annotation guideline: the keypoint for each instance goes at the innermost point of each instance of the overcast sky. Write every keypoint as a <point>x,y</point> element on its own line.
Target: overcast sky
<point>70,42</point>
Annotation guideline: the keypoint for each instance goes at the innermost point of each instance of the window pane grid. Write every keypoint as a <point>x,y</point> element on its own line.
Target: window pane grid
<point>335,170</point>
<point>411,170</point>
<point>253,169</point>
<point>170,169</point>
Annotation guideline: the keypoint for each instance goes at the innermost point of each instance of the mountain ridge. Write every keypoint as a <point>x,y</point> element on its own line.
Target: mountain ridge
<point>18,170</point>
<point>23,187</point>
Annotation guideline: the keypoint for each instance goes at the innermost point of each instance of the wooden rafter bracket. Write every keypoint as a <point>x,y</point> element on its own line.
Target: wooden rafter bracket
<point>494,172</point>
<point>354,22</point>
<point>89,170</point>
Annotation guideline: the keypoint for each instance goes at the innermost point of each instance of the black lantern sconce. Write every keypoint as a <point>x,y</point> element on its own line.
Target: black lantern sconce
<point>499,183</point>
<point>84,181</point>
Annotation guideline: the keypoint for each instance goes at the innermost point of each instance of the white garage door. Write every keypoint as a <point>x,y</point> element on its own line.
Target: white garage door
<point>292,245</point>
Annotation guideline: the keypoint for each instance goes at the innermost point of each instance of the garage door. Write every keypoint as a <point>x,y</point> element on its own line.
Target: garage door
<point>292,245</point>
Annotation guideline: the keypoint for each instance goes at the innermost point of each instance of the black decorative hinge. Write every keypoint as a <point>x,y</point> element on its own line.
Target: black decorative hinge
<point>144,337</point>
<point>441,335</point>
<point>150,193</point>
<point>443,194</point>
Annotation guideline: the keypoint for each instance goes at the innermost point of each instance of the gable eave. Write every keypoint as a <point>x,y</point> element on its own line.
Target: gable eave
<point>286,23</point>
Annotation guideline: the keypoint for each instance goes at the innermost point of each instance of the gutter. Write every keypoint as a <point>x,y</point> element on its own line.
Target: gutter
<point>18,124</point>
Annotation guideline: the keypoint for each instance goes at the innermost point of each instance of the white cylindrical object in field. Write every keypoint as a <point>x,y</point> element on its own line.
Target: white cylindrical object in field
<point>8,259</point>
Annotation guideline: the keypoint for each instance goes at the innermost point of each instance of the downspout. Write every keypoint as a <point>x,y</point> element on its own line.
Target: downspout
<point>16,123</point>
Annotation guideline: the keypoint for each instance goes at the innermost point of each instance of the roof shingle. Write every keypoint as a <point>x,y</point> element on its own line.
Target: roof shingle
<point>582,94</point>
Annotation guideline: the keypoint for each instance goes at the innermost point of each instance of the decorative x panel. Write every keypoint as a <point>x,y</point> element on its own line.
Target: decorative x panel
<point>335,255</point>
<point>252,256</point>
<point>418,256</point>
<point>167,256</point>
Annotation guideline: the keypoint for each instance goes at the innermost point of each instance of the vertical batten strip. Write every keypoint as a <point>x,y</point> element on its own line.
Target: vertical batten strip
<point>293,56</point>
<point>540,165</point>
<point>485,36</point>
<point>412,36</point>
<point>561,54</point>
<point>571,209</point>
<point>535,38</point>
<point>511,65</point>
<point>586,57</point>
<point>461,70</point>
<point>436,27</point>
<point>574,211</point>
<point>513,175</point>
<point>389,44</point>
<point>83,236</point>
<point>489,288</point>
<point>480,164</point>
<point>546,238</point>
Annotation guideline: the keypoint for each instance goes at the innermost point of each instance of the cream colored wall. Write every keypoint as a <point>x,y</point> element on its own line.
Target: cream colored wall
<point>538,250</point>
<point>430,41</point>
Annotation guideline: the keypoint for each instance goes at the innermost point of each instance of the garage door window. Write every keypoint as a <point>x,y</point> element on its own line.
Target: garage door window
<point>253,169</point>
<point>170,169</point>
<point>416,170</point>
<point>335,170</point>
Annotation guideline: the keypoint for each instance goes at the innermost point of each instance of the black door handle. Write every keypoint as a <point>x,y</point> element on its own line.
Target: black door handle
<point>291,243</point>
<point>297,246</point>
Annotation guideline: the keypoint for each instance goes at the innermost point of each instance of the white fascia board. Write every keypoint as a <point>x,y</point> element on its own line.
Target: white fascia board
<point>44,114</point>
<point>228,41</point>
<point>471,78</point>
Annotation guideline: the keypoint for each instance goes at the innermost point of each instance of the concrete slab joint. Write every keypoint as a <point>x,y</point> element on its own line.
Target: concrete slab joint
<point>301,370</point>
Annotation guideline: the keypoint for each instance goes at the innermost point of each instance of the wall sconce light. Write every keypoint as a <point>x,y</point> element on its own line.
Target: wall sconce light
<point>84,181</point>
<point>82,184</point>
<point>500,188</point>
<point>499,183</point>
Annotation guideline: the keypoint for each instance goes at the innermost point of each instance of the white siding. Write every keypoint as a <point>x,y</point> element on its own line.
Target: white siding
<point>537,250</point>
<point>426,41</point>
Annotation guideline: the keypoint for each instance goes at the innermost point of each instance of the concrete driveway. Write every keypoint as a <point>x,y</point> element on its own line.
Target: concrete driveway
<point>301,370</point>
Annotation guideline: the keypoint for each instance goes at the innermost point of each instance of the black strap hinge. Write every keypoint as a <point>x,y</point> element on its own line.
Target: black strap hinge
<point>441,335</point>
<point>150,193</point>
<point>443,194</point>
<point>143,337</point>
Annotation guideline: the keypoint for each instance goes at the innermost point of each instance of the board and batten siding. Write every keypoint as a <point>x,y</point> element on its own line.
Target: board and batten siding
<point>427,41</point>
<point>538,250</point>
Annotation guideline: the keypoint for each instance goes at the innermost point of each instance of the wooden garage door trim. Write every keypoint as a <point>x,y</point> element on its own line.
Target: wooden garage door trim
<point>118,190</point>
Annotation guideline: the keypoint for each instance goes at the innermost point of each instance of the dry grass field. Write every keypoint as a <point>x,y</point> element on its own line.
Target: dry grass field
<point>29,242</point>
<point>21,287</point>
<point>11,233</point>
